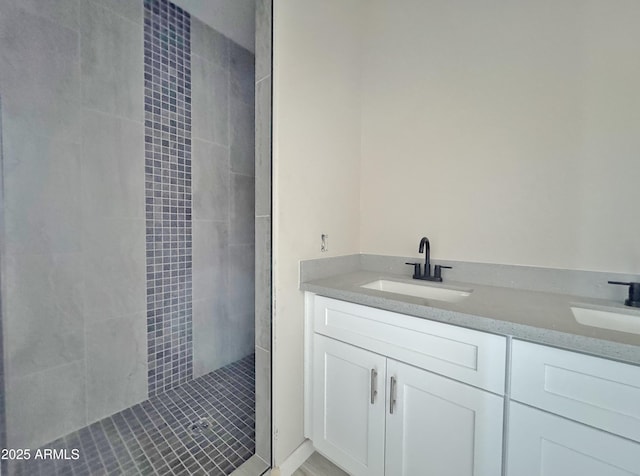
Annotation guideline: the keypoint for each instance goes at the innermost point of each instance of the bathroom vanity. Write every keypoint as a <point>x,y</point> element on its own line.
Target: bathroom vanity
<point>435,389</point>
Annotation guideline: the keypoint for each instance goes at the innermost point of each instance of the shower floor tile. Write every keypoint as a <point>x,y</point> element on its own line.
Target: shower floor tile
<point>158,437</point>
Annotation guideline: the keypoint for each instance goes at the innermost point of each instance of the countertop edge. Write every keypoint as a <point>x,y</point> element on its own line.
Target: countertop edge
<point>626,353</point>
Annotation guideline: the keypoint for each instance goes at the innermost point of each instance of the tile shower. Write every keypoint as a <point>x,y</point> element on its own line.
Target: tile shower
<point>127,238</point>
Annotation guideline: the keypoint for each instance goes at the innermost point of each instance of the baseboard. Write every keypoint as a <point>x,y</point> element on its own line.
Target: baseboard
<point>295,460</point>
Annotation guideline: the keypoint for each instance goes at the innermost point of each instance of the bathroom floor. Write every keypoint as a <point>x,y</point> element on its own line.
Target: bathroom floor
<point>158,436</point>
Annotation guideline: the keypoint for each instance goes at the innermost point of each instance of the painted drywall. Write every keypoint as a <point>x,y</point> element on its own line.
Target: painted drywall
<point>316,170</point>
<point>235,19</point>
<point>507,132</point>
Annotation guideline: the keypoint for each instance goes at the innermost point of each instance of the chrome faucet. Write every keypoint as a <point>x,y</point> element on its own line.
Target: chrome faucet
<point>425,248</point>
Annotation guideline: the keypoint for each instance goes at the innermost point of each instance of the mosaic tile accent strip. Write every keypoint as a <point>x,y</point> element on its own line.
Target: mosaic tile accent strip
<point>167,87</point>
<point>155,437</point>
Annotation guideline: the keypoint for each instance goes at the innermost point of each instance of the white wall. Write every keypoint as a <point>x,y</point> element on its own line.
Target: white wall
<point>507,132</point>
<point>316,170</point>
<point>233,18</point>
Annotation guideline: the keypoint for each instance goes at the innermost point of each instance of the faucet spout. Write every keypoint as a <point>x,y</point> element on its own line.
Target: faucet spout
<point>437,270</point>
<point>424,243</point>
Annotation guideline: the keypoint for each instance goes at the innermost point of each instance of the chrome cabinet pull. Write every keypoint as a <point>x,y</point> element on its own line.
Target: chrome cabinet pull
<point>392,395</point>
<point>374,385</point>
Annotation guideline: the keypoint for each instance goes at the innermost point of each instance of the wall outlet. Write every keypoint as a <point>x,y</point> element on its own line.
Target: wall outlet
<point>324,242</point>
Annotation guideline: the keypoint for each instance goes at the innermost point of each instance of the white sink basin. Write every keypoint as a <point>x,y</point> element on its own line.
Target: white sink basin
<point>418,290</point>
<point>616,320</point>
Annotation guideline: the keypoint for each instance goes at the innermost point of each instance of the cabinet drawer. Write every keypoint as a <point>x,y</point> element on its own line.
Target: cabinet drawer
<point>473,357</point>
<point>542,444</point>
<point>595,391</point>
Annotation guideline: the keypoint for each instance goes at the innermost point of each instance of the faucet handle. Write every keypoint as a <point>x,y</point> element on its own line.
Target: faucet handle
<point>437,270</point>
<point>416,269</point>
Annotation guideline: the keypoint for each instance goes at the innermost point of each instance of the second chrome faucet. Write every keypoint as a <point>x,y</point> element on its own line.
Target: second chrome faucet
<point>425,248</point>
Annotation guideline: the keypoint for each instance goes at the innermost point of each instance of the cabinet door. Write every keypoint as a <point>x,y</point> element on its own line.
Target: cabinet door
<point>439,426</point>
<point>347,427</point>
<point>542,444</point>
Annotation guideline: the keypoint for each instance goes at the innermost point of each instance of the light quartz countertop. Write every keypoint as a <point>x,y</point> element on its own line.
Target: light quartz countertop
<point>535,316</point>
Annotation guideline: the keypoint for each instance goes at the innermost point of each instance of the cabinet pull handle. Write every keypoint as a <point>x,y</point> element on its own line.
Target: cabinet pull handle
<point>392,395</point>
<point>374,385</point>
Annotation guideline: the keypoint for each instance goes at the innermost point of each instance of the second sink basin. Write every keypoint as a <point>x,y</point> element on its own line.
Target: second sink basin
<point>626,321</point>
<point>418,290</point>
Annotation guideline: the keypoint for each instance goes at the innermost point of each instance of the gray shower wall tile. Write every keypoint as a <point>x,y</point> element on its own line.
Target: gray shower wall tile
<point>112,166</point>
<point>113,267</point>
<point>44,405</point>
<point>64,12</point>
<point>129,9</point>
<point>3,426</point>
<point>40,76</point>
<point>112,62</point>
<point>263,38</point>
<point>44,322</point>
<point>263,147</point>
<point>242,137</point>
<point>263,283</point>
<point>210,189</point>
<point>116,365</point>
<point>39,84</point>
<point>211,261</point>
<point>263,227</point>
<point>211,332</point>
<point>223,330</point>
<point>209,44</point>
<point>219,337</point>
<point>263,404</point>
<point>210,83</point>
<point>242,229</point>
<point>244,333</point>
<point>242,73</point>
<point>42,193</point>
<point>242,279</point>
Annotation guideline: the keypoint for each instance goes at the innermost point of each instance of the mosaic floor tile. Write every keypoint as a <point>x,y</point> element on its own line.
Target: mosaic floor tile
<point>204,427</point>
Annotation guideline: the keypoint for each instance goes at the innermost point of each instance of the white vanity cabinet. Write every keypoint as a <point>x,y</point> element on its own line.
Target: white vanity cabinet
<point>383,397</point>
<point>587,415</point>
<point>394,395</point>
